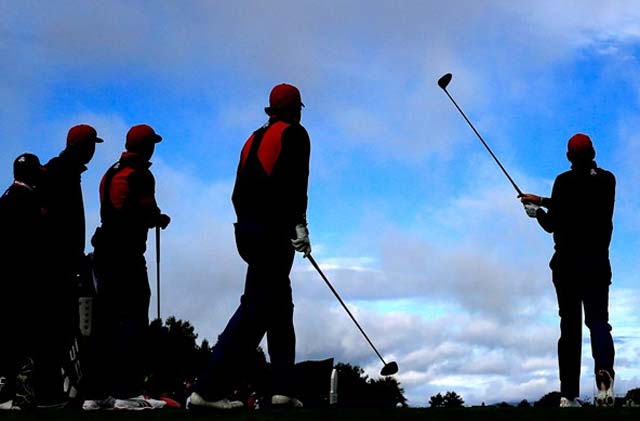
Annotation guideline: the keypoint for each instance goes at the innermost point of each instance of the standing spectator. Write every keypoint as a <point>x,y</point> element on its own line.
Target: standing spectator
<point>65,255</point>
<point>128,210</point>
<point>22,221</point>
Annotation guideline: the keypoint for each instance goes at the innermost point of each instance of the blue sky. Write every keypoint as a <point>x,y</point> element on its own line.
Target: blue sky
<point>414,224</point>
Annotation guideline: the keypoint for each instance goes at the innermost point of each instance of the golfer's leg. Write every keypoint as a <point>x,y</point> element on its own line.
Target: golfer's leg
<point>281,337</point>
<point>596,310</point>
<point>241,336</point>
<point>570,342</point>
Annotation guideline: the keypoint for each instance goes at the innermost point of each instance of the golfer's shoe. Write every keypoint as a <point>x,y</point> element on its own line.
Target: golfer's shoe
<point>195,402</point>
<point>605,397</point>
<point>98,404</point>
<point>138,403</point>
<point>8,406</point>
<point>570,403</point>
<point>286,401</point>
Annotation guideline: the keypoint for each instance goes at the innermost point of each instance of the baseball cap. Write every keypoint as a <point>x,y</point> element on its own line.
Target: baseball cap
<point>82,133</point>
<point>284,96</point>
<point>579,144</point>
<point>141,134</point>
<point>26,167</point>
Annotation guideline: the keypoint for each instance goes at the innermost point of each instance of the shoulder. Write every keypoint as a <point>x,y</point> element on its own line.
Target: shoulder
<point>141,178</point>
<point>296,129</point>
<point>296,135</point>
<point>53,162</point>
<point>54,166</point>
<point>564,177</point>
<point>607,175</point>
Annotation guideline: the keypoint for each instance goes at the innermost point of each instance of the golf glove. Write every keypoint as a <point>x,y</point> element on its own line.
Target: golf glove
<point>301,243</point>
<point>531,209</point>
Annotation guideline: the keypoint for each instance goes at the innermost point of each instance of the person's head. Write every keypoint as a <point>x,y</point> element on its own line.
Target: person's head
<point>285,103</point>
<point>142,139</point>
<point>28,170</point>
<point>81,142</point>
<point>580,150</point>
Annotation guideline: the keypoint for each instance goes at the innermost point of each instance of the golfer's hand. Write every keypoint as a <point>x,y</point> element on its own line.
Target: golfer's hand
<point>526,198</point>
<point>163,221</point>
<point>302,243</point>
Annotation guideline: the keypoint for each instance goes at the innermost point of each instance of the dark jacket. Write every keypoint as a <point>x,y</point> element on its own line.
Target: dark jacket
<point>273,174</point>
<point>65,210</point>
<point>127,206</point>
<point>22,221</point>
<point>580,217</point>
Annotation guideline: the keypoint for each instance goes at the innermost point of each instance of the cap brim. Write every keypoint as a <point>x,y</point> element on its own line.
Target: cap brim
<point>99,140</point>
<point>157,138</point>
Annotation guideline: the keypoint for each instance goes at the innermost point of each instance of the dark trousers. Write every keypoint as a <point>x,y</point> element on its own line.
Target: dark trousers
<point>115,361</point>
<point>18,324</point>
<point>15,348</point>
<point>57,329</point>
<point>266,307</point>
<point>572,297</point>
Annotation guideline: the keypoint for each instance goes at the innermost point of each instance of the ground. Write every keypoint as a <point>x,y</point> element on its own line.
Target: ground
<point>423,414</point>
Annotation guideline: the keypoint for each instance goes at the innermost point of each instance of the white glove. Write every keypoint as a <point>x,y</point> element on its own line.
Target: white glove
<point>302,243</point>
<point>531,209</point>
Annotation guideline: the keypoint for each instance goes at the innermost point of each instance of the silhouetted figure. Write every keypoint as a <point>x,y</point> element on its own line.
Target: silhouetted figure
<point>580,213</point>
<point>65,255</point>
<point>128,210</point>
<point>22,222</point>
<point>270,200</point>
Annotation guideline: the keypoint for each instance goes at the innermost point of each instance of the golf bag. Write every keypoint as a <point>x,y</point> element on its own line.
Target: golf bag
<point>72,365</point>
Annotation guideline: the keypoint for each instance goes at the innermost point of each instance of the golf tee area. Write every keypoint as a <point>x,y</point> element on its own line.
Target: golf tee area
<point>427,414</point>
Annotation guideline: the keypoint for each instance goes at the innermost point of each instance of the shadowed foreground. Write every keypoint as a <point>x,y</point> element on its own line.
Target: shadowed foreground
<point>341,414</point>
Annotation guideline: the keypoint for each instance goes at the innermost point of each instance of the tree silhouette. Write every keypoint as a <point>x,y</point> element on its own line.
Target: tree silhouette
<point>355,389</point>
<point>453,400</point>
<point>550,400</point>
<point>633,395</point>
<point>524,404</point>
<point>352,385</point>
<point>174,357</point>
<point>385,392</point>
<point>436,401</point>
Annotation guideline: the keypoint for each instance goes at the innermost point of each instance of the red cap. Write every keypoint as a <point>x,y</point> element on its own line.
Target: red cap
<point>579,144</point>
<point>284,96</point>
<point>82,133</point>
<point>141,134</point>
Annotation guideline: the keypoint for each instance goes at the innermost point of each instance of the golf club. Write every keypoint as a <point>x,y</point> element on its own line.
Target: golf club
<point>443,82</point>
<point>158,268</point>
<point>389,368</point>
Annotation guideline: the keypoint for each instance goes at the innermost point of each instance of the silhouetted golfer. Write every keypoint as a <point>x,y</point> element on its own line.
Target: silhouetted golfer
<point>579,215</point>
<point>128,209</point>
<point>270,200</point>
<point>65,258</point>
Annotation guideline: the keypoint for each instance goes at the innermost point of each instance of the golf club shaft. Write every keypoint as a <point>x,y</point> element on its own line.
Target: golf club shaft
<point>315,265</point>
<point>158,269</point>
<point>484,143</point>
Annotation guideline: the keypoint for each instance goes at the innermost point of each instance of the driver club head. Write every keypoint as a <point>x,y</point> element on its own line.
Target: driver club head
<point>444,81</point>
<point>389,369</point>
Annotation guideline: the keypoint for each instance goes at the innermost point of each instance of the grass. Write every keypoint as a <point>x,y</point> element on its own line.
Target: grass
<point>427,414</point>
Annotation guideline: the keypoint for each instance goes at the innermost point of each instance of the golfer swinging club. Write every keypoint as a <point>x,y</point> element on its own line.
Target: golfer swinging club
<point>579,214</point>
<point>270,200</point>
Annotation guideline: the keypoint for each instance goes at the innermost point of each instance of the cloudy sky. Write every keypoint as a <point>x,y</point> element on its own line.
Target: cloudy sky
<point>412,221</point>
